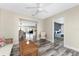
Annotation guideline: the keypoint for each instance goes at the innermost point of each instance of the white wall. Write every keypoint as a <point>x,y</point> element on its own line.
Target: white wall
<point>9,24</point>
<point>71,27</point>
<point>1,25</point>
<point>47,27</point>
<point>39,28</point>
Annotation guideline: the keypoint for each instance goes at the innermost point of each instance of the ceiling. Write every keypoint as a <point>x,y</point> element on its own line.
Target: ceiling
<point>50,9</point>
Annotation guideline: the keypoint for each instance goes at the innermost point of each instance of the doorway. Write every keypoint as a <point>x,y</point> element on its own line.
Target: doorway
<point>59,31</point>
<point>28,30</point>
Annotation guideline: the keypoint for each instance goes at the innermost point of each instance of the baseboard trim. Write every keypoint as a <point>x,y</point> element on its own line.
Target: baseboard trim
<point>71,48</point>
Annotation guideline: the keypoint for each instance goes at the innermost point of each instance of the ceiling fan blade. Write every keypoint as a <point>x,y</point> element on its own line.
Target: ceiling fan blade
<point>44,11</point>
<point>35,13</point>
<point>38,5</point>
<point>37,10</point>
<point>30,7</point>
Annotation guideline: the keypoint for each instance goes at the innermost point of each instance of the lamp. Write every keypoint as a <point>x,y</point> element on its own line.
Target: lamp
<point>27,42</point>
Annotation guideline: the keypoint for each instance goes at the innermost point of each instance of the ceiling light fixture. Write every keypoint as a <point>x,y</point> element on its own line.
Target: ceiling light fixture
<point>38,9</point>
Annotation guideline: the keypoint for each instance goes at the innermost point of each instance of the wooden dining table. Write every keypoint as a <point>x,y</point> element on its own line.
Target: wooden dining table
<point>30,49</point>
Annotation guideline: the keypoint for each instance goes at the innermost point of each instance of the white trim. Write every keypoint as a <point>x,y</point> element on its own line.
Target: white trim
<point>71,48</point>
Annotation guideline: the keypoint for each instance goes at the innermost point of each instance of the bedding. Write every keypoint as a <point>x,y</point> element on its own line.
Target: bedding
<point>2,42</point>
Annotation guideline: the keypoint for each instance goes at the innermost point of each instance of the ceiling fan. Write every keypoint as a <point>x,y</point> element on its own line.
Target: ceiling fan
<point>38,9</point>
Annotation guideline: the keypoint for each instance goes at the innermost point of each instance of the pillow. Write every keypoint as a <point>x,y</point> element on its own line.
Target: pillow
<point>1,40</point>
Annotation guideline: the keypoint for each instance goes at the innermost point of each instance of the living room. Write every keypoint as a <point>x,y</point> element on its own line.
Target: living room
<point>37,20</point>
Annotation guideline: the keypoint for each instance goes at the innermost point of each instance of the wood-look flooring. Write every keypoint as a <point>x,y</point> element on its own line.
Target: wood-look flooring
<point>47,48</point>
